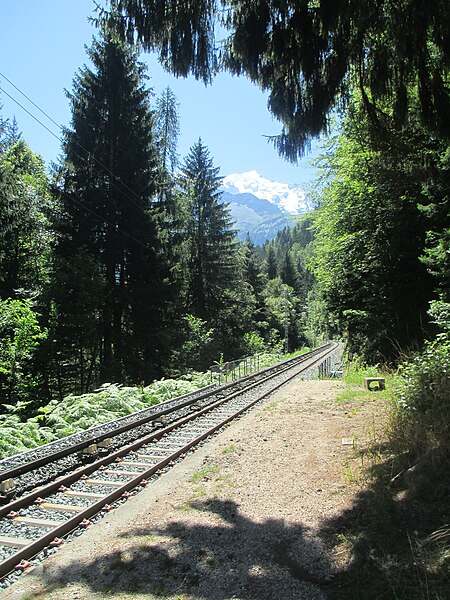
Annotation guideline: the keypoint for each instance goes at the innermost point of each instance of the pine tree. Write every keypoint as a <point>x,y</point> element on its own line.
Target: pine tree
<point>253,266</point>
<point>108,185</point>
<point>309,55</point>
<point>167,129</point>
<point>271,262</point>
<point>212,249</point>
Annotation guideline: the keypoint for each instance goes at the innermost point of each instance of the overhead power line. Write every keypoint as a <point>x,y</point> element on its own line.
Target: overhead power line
<point>61,128</point>
<point>31,114</point>
<point>71,198</point>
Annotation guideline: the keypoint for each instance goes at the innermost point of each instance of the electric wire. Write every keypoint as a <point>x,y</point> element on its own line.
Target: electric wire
<point>59,138</point>
<point>71,198</point>
<point>62,129</point>
<point>102,219</point>
<point>30,114</point>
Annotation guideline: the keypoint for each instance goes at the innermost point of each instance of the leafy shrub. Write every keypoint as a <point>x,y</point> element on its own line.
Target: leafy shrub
<point>420,419</point>
<point>165,389</point>
<point>196,348</point>
<point>76,413</point>
<point>422,411</point>
<point>20,335</point>
<point>253,343</point>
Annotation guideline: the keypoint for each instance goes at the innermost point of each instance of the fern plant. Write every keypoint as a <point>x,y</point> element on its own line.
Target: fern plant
<point>18,436</point>
<point>77,413</point>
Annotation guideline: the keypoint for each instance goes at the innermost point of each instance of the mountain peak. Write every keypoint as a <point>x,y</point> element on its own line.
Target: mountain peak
<point>290,199</point>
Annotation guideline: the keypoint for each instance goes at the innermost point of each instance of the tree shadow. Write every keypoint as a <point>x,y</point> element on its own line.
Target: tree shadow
<point>229,557</point>
<point>386,536</point>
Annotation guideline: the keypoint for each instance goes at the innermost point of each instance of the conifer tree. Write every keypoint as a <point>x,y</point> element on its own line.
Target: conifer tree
<point>216,290</point>
<point>212,249</point>
<point>309,55</point>
<point>108,185</point>
<point>253,266</point>
<point>271,261</point>
<point>167,129</point>
<point>288,273</point>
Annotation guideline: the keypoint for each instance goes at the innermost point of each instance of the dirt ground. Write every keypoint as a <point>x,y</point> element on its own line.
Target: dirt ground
<point>239,519</point>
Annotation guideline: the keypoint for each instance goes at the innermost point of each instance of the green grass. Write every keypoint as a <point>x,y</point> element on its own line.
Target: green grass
<point>396,536</point>
<point>204,473</point>
<point>354,391</point>
<point>229,449</point>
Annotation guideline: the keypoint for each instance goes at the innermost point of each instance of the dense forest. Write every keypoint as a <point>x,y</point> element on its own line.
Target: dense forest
<point>122,264</point>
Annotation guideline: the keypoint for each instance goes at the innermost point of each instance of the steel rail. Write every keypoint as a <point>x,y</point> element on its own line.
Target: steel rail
<point>47,489</point>
<point>61,530</point>
<point>79,446</point>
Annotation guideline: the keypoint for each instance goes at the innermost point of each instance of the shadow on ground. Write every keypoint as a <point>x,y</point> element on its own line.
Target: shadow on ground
<point>233,558</point>
<point>394,541</point>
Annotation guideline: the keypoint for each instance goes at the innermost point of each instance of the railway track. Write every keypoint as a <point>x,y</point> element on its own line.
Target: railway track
<point>56,489</point>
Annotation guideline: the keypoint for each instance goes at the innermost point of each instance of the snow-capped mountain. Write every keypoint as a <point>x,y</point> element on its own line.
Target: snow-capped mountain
<point>260,219</point>
<point>290,199</point>
<point>259,207</point>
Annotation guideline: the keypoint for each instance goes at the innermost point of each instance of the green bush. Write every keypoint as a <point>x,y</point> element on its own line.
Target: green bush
<point>422,411</point>
<point>20,335</point>
<point>420,423</point>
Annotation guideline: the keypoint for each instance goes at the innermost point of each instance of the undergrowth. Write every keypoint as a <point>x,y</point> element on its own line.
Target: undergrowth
<point>396,536</point>
<point>111,401</point>
<point>77,413</point>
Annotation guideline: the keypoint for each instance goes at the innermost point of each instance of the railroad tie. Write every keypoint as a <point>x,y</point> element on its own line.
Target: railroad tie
<point>87,495</point>
<point>117,484</point>
<point>37,522</point>
<point>124,473</point>
<point>132,463</point>
<point>14,542</point>
<point>61,507</point>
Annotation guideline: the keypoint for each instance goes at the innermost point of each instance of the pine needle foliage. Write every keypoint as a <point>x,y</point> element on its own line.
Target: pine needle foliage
<point>307,54</point>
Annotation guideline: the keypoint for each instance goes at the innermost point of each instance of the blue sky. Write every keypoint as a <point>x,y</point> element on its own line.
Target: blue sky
<point>42,45</point>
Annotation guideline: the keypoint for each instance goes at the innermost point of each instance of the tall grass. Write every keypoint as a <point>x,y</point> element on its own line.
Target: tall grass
<point>398,528</point>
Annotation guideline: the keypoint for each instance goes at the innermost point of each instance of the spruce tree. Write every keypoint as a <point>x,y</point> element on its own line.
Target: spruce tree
<point>216,289</point>
<point>108,184</point>
<point>212,249</point>
<point>288,273</point>
<point>271,262</point>
<point>168,129</point>
<point>309,55</point>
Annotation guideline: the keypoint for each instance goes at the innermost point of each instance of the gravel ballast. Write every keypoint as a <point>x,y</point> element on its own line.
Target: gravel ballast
<point>239,519</point>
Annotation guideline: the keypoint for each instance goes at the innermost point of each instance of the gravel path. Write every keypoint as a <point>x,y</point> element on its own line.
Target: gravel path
<point>239,519</point>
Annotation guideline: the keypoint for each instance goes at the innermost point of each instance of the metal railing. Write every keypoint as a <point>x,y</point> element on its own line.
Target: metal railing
<point>223,372</point>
